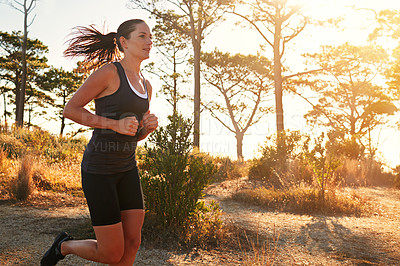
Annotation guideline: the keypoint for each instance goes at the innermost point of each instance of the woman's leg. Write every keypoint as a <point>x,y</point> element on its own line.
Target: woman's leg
<point>108,248</point>
<point>117,243</point>
<point>132,214</point>
<point>132,222</point>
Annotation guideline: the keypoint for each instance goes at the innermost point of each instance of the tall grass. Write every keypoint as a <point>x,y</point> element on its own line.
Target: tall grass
<point>306,200</point>
<point>3,160</point>
<point>258,252</point>
<point>204,227</point>
<point>22,186</point>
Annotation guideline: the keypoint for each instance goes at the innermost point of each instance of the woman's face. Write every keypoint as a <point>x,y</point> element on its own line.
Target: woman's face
<point>139,44</point>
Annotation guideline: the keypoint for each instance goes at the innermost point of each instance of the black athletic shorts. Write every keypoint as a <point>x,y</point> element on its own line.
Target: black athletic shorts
<point>109,194</point>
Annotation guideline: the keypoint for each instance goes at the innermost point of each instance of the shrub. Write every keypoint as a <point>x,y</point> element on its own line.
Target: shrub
<point>396,181</point>
<point>277,153</point>
<point>342,145</point>
<point>352,173</point>
<point>36,138</point>
<point>173,178</point>
<point>323,164</point>
<point>204,227</point>
<point>65,149</point>
<point>40,142</point>
<point>12,146</point>
<point>22,187</point>
<point>263,170</point>
<point>375,174</point>
<point>228,169</point>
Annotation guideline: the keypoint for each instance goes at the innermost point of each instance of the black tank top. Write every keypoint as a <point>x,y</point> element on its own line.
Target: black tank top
<point>109,152</point>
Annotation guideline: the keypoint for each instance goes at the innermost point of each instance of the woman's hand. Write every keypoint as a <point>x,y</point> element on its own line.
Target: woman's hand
<point>127,126</point>
<point>150,122</point>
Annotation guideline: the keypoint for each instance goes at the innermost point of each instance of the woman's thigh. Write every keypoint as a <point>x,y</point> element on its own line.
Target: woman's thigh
<point>110,239</point>
<point>132,222</point>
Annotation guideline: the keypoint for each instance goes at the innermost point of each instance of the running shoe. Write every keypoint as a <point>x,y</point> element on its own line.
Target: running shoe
<point>53,254</point>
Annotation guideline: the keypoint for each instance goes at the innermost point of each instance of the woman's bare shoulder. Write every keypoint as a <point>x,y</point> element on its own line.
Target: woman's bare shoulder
<point>107,70</point>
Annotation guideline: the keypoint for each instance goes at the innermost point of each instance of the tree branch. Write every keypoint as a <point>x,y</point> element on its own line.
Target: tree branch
<point>219,120</point>
<point>254,25</point>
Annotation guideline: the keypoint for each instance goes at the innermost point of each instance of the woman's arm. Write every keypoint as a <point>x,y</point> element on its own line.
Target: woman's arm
<point>98,82</point>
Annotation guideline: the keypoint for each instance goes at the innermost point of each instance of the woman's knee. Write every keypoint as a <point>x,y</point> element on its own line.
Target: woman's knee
<point>110,243</point>
<point>133,243</point>
<point>132,221</point>
<point>112,256</point>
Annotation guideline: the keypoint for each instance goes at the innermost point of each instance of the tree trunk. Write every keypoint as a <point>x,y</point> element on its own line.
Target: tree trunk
<point>175,89</point>
<point>5,110</point>
<point>63,118</point>
<point>239,146</point>
<point>62,126</point>
<point>278,79</point>
<point>29,116</point>
<point>17,92</point>
<point>197,49</point>
<point>21,100</point>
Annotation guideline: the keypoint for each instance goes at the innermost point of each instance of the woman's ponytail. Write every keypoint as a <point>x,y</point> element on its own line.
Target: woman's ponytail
<point>99,49</point>
<point>96,48</point>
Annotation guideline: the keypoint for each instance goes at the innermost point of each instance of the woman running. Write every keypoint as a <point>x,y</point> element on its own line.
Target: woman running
<point>110,178</point>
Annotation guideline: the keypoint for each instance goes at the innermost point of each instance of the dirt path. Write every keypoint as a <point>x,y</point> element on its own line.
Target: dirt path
<point>26,231</point>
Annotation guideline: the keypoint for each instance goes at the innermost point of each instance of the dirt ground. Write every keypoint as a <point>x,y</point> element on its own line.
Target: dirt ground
<point>28,229</point>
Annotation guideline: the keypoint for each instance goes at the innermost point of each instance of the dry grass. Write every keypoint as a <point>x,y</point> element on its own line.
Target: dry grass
<point>364,173</point>
<point>54,163</point>
<point>307,200</point>
<point>57,176</point>
<point>229,169</point>
<point>204,228</point>
<point>257,252</point>
<point>3,160</point>
<point>21,187</point>
<point>36,173</point>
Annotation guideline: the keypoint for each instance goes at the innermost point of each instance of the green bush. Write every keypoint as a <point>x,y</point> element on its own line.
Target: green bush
<point>173,178</point>
<point>37,138</point>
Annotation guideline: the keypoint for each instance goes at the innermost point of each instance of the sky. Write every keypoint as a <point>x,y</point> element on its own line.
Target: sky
<point>55,19</point>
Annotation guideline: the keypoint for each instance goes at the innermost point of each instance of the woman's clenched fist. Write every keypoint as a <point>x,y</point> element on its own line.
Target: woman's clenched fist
<point>150,122</point>
<point>127,126</point>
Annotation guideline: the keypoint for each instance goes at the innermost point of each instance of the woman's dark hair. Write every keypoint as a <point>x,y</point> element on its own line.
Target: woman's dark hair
<point>97,48</point>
